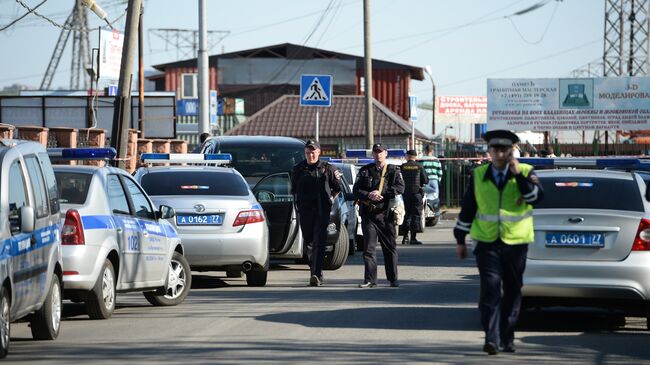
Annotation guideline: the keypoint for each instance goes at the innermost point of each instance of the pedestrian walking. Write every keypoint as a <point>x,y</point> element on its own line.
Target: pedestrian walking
<point>315,185</point>
<point>414,179</point>
<point>497,213</point>
<point>377,183</point>
<point>433,168</point>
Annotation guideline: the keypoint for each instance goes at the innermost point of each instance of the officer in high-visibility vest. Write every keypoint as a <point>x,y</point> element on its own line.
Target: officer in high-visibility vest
<point>497,213</point>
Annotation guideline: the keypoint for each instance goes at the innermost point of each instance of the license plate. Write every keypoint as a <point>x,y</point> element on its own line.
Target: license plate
<point>200,220</point>
<point>575,239</point>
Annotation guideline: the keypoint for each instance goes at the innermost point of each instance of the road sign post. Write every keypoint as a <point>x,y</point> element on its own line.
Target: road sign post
<point>316,90</point>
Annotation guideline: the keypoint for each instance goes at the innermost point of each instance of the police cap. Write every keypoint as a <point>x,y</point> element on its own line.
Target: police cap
<point>313,144</point>
<point>378,147</point>
<point>500,137</point>
<point>411,153</point>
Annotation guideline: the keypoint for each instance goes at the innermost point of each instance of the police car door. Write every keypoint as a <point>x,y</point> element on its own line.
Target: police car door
<point>273,192</point>
<point>44,231</point>
<point>154,246</point>
<point>126,232</point>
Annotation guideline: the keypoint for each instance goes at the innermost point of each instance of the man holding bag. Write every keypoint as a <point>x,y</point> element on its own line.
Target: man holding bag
<point>377,183</point>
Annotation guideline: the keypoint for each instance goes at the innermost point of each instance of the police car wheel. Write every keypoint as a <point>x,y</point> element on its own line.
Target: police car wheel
<point>5,324</point>
<point>335,259</point>
<point>101,301</point>
<point>179,282</point>
<point>256,278</point>
<point>46,322</point>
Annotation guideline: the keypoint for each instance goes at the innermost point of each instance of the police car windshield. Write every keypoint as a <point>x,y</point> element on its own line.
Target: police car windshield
<point>263,160</point>
<point>73,186</point>
<point>590,193</point>
<point>177,182</point>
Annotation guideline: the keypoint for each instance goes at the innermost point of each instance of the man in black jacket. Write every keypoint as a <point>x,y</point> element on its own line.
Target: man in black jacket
<point>376,219</point>
<point>315,184</point>
<point>414,179</point>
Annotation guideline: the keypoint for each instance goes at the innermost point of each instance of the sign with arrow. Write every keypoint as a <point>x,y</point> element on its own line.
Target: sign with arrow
<point>316,90</point>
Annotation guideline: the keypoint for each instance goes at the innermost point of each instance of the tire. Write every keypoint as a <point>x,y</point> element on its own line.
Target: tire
<point>256,278</point>
<point>5,323</point>
<point>46,322</point>
<point>101,299</point>
<point>335,259</point>
<point>430,222</point>
<point>179,282</point>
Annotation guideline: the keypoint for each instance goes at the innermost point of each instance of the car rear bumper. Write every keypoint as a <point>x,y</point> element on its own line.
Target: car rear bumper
<point>628,279</point>
<point>228,249</point>
<point>80,266</point>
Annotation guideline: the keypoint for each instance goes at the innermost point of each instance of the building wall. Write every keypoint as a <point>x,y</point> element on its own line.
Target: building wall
<point>391,87</point>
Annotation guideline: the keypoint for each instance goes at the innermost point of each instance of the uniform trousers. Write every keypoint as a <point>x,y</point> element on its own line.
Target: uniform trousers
<point>314,231</point>
<point>413,217</point>
<point>500,266</point>
<point>379,228</point>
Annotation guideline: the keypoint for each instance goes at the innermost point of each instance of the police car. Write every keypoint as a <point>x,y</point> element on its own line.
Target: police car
<point>222,225</point>
<point>113,238</point>
<point>30,242</point>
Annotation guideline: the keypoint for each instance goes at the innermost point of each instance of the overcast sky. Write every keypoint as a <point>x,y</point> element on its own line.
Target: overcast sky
<point>464,41</point>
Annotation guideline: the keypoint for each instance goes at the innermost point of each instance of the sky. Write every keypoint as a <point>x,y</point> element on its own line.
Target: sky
<point>464,42</point>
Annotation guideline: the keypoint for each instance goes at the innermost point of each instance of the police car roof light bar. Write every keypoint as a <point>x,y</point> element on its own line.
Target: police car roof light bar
<point>179,158</point>
<point>86,153</point>
<point>354,161</point>
<point>628,163</point>
<point>363,153</point>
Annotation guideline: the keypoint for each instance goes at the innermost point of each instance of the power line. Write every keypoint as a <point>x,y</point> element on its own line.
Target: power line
<point>61,25</point>
<point>548,25</point>
<point>22,16</point>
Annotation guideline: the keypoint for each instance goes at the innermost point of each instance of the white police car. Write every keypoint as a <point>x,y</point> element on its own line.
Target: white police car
<point>113,239</point>
<point>30,243</point>
<point>222,225</point>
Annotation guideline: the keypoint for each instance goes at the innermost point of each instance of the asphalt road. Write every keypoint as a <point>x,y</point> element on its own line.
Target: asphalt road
<point>431,318</point>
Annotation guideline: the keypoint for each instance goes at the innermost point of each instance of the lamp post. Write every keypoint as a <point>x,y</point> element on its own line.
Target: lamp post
<point>427,70</point>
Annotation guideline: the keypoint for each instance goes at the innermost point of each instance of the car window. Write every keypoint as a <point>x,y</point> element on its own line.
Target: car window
<point>194,183</point>
<point>279,187</point>
<point>590,193</point>
<point>117,201</point>
<point>262,159</point>
<point>73,186</point>
<point>50,182</point>
<point>17,195</point>
<point>140,202</point>
<point>42,208</point>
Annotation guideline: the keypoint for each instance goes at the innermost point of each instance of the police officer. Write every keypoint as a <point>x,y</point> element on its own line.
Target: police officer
<point>315,184</point>
<point>377,221</point>
<point>414,179</point>
<point>497,213</point>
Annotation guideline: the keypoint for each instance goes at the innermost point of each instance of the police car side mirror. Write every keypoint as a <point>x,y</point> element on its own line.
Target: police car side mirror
<point>166,212</point>
<point>26,219</point>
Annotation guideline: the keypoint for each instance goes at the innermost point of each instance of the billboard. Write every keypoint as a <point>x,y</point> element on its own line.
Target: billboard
<point>110,54</point>
<point>462,105</point>
<point>616,103</point>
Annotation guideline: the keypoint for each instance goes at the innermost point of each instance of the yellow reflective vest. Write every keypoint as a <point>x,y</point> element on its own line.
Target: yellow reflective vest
<point>501,214</point>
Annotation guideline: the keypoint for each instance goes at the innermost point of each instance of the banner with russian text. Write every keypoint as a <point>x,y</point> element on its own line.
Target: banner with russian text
<point>462,105</point>
<point>613,103</point>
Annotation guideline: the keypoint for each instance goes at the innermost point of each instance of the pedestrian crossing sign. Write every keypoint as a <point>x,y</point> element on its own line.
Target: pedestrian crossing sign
<point>316,90</point>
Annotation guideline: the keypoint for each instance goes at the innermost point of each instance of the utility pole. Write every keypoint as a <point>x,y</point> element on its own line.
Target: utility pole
<point>122,104</point>
<point>141,73</point>
<point>204,102</point>
<point>370,138</point>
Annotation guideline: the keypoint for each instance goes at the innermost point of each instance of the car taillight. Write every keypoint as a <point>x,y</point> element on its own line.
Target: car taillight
<point>248,216</point>
<point>72,232</point>
<point>642,239</point>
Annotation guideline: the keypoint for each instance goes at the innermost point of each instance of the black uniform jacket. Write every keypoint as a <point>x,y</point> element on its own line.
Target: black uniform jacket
<point>414,177</point>
<point>368,180</point>
<point>314,184</point>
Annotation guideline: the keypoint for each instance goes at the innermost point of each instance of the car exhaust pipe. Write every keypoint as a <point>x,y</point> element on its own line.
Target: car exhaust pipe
<point>247,266</point>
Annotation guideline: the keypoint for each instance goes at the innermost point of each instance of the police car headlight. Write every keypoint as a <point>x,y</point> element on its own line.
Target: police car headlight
<point>331,228</point>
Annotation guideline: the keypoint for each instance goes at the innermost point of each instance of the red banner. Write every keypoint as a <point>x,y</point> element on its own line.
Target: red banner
<point>462,105</point>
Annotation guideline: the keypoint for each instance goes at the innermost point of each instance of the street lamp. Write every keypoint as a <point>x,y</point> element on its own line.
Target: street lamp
<point>427,70</point>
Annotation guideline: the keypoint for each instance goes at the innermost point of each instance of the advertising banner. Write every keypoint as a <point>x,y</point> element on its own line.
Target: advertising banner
<point>614,103</point>
<point>462,105</point>
<point>110,54</point>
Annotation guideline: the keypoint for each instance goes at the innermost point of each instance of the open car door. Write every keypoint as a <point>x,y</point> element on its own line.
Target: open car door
<point>273,192</point>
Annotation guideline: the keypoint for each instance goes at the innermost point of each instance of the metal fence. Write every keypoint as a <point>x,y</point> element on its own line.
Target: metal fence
<point>455,176</point>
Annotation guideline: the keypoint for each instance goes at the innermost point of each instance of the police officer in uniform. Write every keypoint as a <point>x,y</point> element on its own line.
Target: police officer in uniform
<point>315,184</point>
<point>414,179</point>
<point>377,221</point>
<point>497,213</point>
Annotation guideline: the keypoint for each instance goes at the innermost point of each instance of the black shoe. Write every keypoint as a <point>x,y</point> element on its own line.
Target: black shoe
<point>367,285</point>
<point>510,347</point>
<point>490,348</point>
<point>394,284</point>
<point>405,241</point>
<point>415,242</point>
<point>315,281</point>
